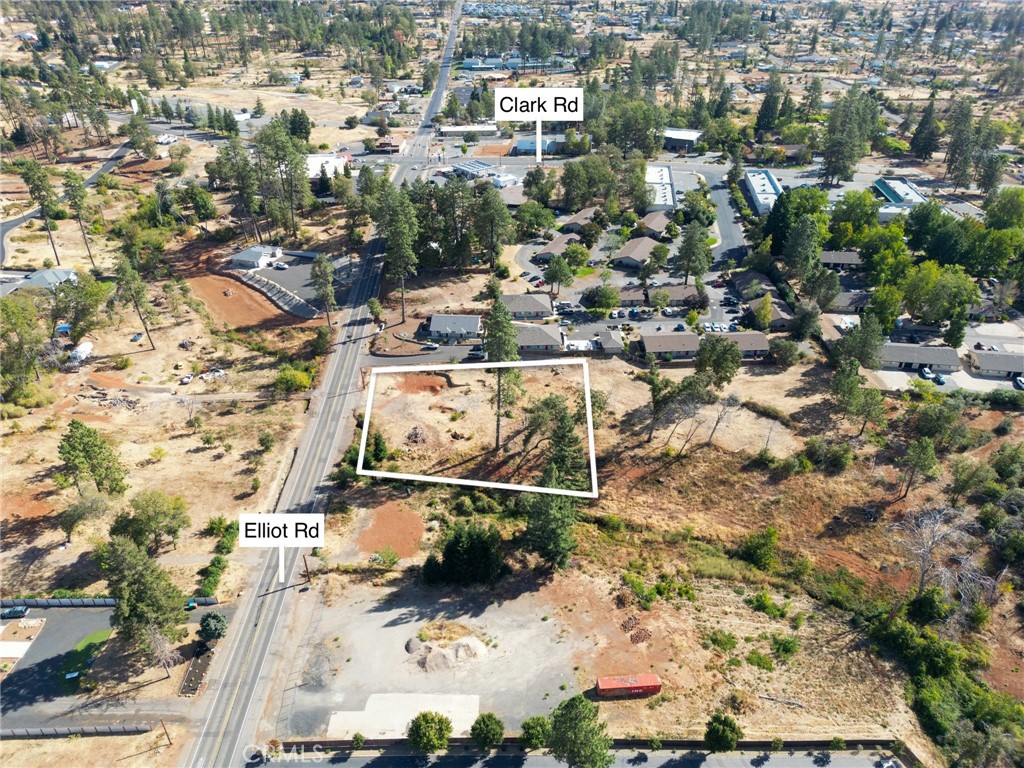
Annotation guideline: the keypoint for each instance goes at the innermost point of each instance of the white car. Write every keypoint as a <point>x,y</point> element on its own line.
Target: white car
<point>654,283</point>
<point>430,346</point>
<point>280,265</point>
<point>186,379</point>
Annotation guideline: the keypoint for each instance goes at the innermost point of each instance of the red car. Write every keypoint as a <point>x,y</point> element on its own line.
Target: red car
<point>718,284</point>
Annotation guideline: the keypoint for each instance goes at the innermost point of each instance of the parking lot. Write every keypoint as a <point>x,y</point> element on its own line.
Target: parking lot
<point>297,278</point>
<point>39,677</point>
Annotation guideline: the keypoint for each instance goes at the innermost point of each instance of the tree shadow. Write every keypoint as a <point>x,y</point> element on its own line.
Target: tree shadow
<point>692,759</point>
<point>39,682</point>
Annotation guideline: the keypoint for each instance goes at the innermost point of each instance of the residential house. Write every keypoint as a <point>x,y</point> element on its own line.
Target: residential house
<point>671,346</point>
<point>610,341</point>
<point>781,319</point>
<point>576,222</point>
<point>914,357</point>
<point>850,303</point>
<point>752,344</point>
<point>556,247</point>
<point>984,311</point>
<point>528,306</point>
<point>635,253</point>
<point>654,224</point>
<point>454,327</point>
<point>678,295</point>
<point>841,260</point>
<point>997,365</point>
<point>539,338</point>
<point>47,279</point>
<point>751,284</point>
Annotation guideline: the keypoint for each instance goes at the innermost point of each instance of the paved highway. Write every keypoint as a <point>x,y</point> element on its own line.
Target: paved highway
<point>239,687</point>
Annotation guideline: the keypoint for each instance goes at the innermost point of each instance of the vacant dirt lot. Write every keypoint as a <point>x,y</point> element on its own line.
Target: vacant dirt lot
<point>442,424</point>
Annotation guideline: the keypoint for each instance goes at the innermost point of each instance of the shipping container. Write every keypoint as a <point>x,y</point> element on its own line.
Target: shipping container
<point>628,685</point>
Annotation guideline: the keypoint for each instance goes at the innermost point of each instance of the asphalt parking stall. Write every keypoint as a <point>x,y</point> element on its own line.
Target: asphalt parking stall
<point>40,674</point>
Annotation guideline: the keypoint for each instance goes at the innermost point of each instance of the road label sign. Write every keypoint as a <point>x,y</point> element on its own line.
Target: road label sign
<point>280,530</point>
<point>561,104</point>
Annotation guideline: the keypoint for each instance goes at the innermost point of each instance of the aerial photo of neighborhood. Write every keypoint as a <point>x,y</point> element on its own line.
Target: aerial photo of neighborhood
<point>483,384</point>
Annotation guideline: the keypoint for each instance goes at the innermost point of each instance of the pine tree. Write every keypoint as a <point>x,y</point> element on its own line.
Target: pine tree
<point>693,257</point>
<point>501,345</point>
<point>146,596</point>
<point>399,227</point>
<point>960,154</point>
<point>925,140</point>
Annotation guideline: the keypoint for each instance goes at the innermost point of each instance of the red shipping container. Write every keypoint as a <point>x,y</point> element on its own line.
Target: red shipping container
<point>628,685</point>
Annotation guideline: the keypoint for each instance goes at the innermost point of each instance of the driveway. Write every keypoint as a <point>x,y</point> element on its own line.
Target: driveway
<point>38,677</point>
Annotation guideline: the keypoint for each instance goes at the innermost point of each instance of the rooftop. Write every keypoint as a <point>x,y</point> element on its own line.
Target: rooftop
<point>899,191</point>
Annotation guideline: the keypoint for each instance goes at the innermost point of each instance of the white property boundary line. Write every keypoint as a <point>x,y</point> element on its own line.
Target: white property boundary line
<point>591,494</point>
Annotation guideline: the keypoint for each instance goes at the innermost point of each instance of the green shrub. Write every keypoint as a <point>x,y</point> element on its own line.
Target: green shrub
<point>770,412</point>
<point>1004,427</point>
<point>763,603</point>
<point>12,411</point>
<point>777,744</point>
<point>228,539</point>
<point>832,458</point>
<point>358,740</point>
<point>612,523</point>
<point>784,647</point>
<point>122,363</point>
<point>837,743</point>
<point>758,549</point>
<point>290,379</point>
<point>211,576</point>
<point>760,660</point>
<point>645,596</point>
<point>720,639</point>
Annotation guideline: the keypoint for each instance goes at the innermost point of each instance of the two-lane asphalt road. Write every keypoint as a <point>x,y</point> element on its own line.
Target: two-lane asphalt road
<point>239,686</point>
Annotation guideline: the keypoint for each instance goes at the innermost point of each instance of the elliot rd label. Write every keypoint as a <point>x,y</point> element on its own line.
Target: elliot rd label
<point>280,530</point>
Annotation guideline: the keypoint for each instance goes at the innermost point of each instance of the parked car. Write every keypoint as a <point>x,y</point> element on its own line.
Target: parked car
<point>137,337</point>
<point>718,284</point>
<point>539,284</point>
<point>680,327</point>
<point>653,283</point>
<point>668,312</point>
<point>17,612</point>
<point>621,313</point>
<point>732,311</point>
<point>926,373</point>
<point>431,346</point>
<point>186,379</point>
<point>476,352</point>
<point>524,274</point>
<point>1019,382</point>
<point>729,301</point>
<point>563,323</point>
<point>706,327</point>
<point>280,265</point>
<point>940,379</point>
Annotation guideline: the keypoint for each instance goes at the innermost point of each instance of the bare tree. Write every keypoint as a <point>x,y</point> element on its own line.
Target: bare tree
<point>723,410</point>
<point>162,650</point>
<point>688,410</point>
<point>934,539</point>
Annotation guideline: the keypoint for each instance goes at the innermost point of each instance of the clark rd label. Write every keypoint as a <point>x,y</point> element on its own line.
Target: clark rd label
<point>538,104</point>
<point>280,530</point>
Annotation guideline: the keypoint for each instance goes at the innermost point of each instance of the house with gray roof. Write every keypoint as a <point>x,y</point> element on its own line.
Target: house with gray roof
<point>539,338</point>
<point>256,257</point>
<point>781,318</point>
<point>454,327</point>
<point>996,365</point>
<point>556,247</point>
<point>840,260</point>
<point>48,279</point>
<point>671,346</point>
<point>576,222</point>
<point>635,253</point>
<point>528,306</point>
<point>752,344</point>
<point>914,357</point>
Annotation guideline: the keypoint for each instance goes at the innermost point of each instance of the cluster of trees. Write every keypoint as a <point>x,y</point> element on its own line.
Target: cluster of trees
<point>972,151</point>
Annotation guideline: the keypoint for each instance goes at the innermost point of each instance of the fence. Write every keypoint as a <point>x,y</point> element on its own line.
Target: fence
<point>85,730</point>
<point>311,746</point>
<point>79,602</point>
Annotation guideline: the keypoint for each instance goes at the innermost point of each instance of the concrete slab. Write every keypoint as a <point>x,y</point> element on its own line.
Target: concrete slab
<point>387,715</point>
<point>13,650</point>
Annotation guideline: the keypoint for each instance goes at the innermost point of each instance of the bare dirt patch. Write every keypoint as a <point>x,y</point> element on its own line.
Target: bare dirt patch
<point>392,525</point>
<point>238,306</point>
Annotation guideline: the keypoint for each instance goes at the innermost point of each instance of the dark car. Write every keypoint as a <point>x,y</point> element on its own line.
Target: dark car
<point>17,612</point>
<point>680,327</point>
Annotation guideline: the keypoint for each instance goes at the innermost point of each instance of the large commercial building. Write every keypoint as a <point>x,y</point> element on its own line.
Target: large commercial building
<point>764,189</point>
<point>900,196</point>
<point>681,139</point>
<point>663,191</point>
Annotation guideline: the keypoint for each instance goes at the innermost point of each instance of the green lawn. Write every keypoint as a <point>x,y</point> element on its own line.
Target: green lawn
<point>585,271</point>
<point>76,661</point>
<point>711,240</point>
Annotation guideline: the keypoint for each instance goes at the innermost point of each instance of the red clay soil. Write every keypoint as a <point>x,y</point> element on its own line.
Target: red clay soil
<point>231,302</point>
<point>415,383</point>
<point>107,382</point>
<point>24,515</point>
<point>395,526</point>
